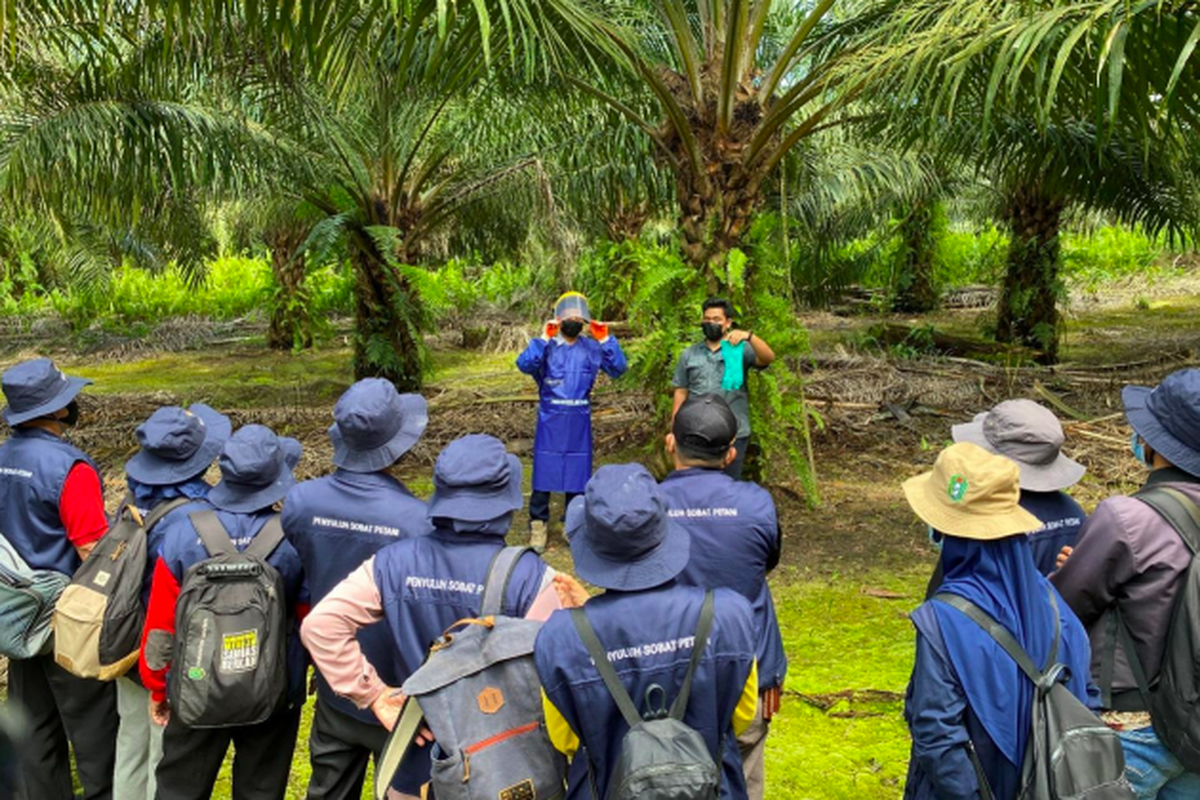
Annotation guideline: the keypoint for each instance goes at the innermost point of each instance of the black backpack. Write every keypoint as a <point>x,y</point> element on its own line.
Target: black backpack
<point>1174,702</point>
<point>661,757</point>
<point>99,617</point>
<point>229,661</point>
<point>1071,753</point>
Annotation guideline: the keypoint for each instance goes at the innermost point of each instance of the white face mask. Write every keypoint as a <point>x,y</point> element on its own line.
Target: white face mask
<point>936,539</point>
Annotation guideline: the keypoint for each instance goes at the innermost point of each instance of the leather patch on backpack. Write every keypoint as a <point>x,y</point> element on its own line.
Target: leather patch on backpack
<point>490,700</point>
<point>521,791</point>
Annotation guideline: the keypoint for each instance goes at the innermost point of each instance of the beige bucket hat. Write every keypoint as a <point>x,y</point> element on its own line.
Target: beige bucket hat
<point>971,494</point>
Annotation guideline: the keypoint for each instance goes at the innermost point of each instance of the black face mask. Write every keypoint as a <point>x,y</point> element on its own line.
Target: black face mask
<point>72,414</point>
<point>713,331</point>
<point>572,328</point>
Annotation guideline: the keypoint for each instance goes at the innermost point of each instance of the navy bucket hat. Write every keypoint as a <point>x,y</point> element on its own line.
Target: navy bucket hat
<point>36,388</point>
<point>475,480</point>
<point>374,425</point>
<point>178,444</point>
<point>1167,417</point>
<point>621,536</point>
<point>256,470</point>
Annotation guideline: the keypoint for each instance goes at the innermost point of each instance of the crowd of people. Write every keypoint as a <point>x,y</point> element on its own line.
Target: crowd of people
<point>355,576</point>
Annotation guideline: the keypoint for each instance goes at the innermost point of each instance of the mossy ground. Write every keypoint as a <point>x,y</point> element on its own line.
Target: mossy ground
<point>852,569</point>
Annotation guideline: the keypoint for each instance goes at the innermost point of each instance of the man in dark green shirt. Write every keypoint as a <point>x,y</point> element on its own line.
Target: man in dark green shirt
<point>719,365</point>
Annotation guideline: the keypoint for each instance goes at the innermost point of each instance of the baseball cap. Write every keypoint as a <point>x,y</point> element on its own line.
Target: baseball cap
<point>704,426</point>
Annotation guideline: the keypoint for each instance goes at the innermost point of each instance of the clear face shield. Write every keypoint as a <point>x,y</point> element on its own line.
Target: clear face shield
<point>572,305</point>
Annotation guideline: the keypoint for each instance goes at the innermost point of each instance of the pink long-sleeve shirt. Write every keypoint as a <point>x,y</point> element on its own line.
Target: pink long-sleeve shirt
<point>330,632</point>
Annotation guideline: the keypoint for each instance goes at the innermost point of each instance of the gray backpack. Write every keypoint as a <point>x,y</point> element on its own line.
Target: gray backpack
<point>1071,753</point>
<point>229,660</point>
<point>1174,701</point>
<point>98,620</point>
<point>479,693</point>
<point>661,757</point>
<point>27,596</point>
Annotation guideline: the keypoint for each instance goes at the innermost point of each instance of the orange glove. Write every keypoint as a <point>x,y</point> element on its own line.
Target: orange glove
<point>599,330</point>
<point>551,330</point>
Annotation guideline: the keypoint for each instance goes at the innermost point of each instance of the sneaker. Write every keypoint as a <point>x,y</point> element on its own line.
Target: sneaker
<point>537,536</point>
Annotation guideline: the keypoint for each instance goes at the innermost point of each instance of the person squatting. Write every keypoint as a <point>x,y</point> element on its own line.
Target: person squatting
<point>149,642</point>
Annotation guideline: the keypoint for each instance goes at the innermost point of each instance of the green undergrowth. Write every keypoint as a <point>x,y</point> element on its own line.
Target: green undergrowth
<point>248,377</point>
<point>850,650</point>
<point>850,653</point>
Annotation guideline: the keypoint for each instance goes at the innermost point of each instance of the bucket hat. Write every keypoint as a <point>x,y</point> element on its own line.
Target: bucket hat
<point>256,470</point>
<point>1029,434</point>
<point>1168,417</point>
<point>178,444</point>
<point>971,494</point>
<point>36,388</point>
<point>621,537</point>
<point>572,304</point>
<point>475,480</point>
<point>373,425</point>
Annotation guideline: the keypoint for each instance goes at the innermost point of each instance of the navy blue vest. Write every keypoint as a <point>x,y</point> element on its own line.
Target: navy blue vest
<point>181,548</point>
<point>336,523</point>
<point>649,636</point>
<point>429,583</point>
<point>33,468</point>
<point>735,542</point>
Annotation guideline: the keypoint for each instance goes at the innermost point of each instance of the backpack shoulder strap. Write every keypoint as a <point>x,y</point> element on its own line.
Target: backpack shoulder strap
<point>500,573</point>
<point>212,533</point>
<point>1179,511</point>
<point>703,629</point>
<point>398,744</point>
<point>266,540</point>
<point>161,510</point>
<point>995,630</point>
<point>600,657</point>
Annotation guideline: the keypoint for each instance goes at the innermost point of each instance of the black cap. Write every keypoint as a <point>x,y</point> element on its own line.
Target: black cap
<point>705,426</point>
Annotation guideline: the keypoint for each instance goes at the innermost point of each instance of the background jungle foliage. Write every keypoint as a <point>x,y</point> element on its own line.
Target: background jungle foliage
<point>415,166</point>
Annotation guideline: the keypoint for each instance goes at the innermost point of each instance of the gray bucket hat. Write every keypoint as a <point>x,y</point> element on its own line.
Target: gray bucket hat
<point>1029,434</point>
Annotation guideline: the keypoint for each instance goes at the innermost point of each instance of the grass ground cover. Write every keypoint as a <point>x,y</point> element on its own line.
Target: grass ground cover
<point>852,569</point>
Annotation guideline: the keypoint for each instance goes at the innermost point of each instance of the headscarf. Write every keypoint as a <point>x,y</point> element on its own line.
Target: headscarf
<point>1000,577</point>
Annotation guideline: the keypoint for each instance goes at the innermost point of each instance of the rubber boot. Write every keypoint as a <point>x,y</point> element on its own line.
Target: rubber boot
<point>537,536</point>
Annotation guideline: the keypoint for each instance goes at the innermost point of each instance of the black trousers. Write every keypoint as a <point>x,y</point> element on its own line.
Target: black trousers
<point>539,505</point>
<point>59,707</point>
<point>340,747</point>
<point>262,759</point>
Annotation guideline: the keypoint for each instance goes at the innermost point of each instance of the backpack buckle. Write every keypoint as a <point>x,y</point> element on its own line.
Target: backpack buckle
<point>656,703</point>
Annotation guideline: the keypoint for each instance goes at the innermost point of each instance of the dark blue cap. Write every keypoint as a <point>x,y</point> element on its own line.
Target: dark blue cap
<point>1168,417</point>
<point>621,536</point>
<point>36,388</point>
<point>374,425</point>
<point>178,444</point>
<point>475,480</point>
<point>256,470</point>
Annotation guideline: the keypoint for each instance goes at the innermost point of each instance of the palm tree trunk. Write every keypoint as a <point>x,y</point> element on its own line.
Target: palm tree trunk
<point>713,221</point>
<point>290,325</point>
<point>1028,311</point>
<point>914,291</point>
<point>386,343</point>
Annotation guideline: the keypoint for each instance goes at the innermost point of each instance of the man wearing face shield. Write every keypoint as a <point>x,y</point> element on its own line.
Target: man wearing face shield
<point>565,365</point>
<point>719,365</point>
